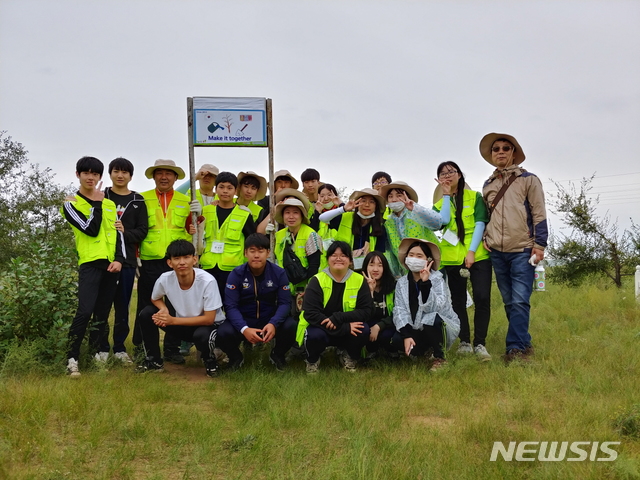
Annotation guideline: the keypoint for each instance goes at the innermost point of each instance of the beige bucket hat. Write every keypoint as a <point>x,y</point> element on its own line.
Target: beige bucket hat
<point>286,173</point>
<point>403,249</point>
<point>262,191</point>
<point>369,192</point>
<point>291,202</point>
<point>166,165</point>
<point>292,192</point>
<point>384,191</point>
<point>207,168</point>
<point>487,142</point>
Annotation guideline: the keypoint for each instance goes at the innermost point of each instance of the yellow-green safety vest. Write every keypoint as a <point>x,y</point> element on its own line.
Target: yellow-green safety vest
<point>345,232</point>
<point>455,254</point>
<point>349,297</point>
<point>298,248</point>
<point>229,233</point>
<point>103,246</point>
<point>164,229</point>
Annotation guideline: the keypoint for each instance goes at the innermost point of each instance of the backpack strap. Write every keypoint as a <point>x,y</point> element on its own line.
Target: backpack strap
<point>501,192</point>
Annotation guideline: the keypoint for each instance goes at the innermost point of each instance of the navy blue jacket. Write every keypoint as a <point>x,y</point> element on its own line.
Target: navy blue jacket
<point>255,301</point>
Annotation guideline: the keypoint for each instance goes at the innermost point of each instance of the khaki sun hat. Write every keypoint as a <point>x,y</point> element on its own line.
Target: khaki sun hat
<point>262,191</point>
<point>369,192</point>
<point>286,173</point>
<point>291,202</point>
<point>411,193</point>
<point>205,169</point>
<point>487,142</point>
<point>292,192</point>
<point>403,250</point>
<point>437,193</point>
<point>165,165</point>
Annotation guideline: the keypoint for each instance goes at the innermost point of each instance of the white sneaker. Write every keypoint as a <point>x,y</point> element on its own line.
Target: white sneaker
<point>101,357</point>
<point>482,353</point>
<point>349,364</point>
<point>72,368</point>
<point>312,367</point>
<point>464,348</point>
<point>123,357</point>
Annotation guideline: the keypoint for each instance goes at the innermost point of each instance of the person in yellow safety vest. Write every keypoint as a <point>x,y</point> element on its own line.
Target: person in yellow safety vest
<point>206,178</point>
<point>382,286</point>
<point>168,212</point>
<point>408,220</point>
<point>310,184</point>
<point>100,257</point>
<point>327,200</point>
<point>299,239</point>
<point>267,226</point>
<point>379,180</point>
<point>359,223</point>
<point>226,225</point>
<point>464,216</point>
<point>251,188</point>
<point>337,304</point>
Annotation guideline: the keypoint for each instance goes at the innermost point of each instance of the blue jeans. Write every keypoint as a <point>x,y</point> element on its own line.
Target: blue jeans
<point>515,276</point>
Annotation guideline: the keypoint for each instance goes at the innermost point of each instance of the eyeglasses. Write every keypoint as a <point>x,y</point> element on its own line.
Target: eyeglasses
<point>448,173</point>
<point>381,184</point>
<point>505,148</point>
<point>337,256</point>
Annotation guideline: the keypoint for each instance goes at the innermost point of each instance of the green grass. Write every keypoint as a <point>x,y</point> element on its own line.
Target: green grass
<point>387,421</point>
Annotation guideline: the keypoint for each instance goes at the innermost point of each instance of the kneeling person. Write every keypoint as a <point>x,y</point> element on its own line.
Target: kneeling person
<point>195,297</point>
<point>257,305</point>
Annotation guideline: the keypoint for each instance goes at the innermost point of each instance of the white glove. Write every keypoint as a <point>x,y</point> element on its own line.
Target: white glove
<point>195,207</point>
<point>269,228</point>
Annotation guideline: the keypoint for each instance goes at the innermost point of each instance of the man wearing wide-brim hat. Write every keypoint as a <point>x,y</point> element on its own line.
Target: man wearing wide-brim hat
<point>409,219</point>
<point>516,234</point>
<point>252,188</point>
<point>168,212</point>
<point>206,178</point>
<point>281,179</point>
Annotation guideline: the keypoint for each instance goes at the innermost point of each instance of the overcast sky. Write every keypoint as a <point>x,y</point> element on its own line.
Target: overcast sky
<point>357,86</point>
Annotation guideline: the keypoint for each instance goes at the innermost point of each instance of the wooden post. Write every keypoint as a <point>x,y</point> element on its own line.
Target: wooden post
<point>192,167</point>
<point>272,197</point>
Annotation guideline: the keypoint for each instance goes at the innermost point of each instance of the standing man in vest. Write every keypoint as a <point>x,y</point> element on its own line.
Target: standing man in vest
<point>100,257</point>
<point>226,226</point>
<point>206,178</point>
<point>132,226</point>
<point>516,234</point>
<point>168,212</point>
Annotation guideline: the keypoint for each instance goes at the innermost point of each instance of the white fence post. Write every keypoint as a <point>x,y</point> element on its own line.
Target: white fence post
<point>638,283</point>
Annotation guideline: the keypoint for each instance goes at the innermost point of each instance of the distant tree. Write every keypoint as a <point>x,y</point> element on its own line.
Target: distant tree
<point>594,244</point>
<point>29,203</point>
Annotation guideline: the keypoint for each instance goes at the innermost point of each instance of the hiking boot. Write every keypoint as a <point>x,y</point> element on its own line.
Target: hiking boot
<point>150,365</point>
<point>101,357</point>
<point>175,358</point>
<point>514,354</point>
<point>312,368</point>
<point>481,353</point>
<point>235,364</point>
<point>349,364</point>
<point>211,367</point>
<point>529,351</point>
<point>278,361</point>
<point>123,357</point>
<point>465,348</point>
<point>437,364</point>
<point>72,368</point>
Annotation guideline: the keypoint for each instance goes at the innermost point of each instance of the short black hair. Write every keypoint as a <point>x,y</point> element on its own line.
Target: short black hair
<point>284,178</point>
<point>90,164</point>
<point>121,164</point>
<point>344,247</point>
<point>180,248</point>
<point>328,186</point>
<point>310,174</point>
<point>258,240</point>
<point>227,177</point>
<point>250,180</point>
<point>378,175</point>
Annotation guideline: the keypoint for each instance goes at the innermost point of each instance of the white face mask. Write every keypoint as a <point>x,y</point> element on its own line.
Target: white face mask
<point>366,216</point>
<point>396,206</point>
<point>327,206</point>
<point>415,264</point>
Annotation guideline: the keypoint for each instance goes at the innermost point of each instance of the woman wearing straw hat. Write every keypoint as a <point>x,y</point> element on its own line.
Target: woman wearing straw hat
<point>464,216</point>
<point>299,239</point>
<point>359,223</point>
<point>422,312</point>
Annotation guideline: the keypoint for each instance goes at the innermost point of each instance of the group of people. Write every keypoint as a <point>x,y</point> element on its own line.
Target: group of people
<point>367,275</point>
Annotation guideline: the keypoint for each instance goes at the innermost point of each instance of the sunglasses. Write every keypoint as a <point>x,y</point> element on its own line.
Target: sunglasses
<point>505,148</point>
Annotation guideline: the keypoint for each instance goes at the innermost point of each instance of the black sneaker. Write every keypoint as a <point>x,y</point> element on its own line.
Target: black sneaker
<point>211,367</point>
<point>235,364</point>
<point>279,362</point>
<point>149,365</point>
<point>175,358</point>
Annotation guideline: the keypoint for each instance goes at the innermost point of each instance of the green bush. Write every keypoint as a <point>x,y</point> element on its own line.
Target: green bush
<point>37,304</point>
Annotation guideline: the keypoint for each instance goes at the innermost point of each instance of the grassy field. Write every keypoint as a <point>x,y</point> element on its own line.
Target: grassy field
<point>387,421</point>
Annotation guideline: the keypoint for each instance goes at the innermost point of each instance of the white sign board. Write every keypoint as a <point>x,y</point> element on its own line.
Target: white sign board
<point>229,122</point>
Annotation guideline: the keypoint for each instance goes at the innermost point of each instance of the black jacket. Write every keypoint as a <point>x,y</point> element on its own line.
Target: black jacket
<point>135,221</point>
